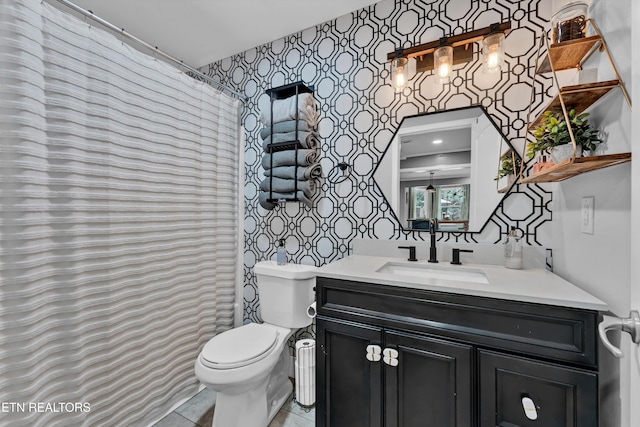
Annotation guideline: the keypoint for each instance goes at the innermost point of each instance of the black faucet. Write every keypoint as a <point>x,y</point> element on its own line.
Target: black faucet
<point>433,256</point>
<point>455,255</point>
<point>412,252</point>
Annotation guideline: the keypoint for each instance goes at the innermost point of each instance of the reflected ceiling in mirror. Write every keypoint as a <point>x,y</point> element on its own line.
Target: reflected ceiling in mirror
<point>444,165</point>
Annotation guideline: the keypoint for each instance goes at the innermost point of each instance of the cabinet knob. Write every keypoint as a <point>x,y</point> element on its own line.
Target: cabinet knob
<point>373,353</point>
<point>373,357</point>
<point>390,356</point>
<point>390,352</point>
<point>529,408</point>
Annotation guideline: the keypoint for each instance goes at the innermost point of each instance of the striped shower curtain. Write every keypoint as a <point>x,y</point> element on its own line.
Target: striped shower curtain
<point>118,224</point>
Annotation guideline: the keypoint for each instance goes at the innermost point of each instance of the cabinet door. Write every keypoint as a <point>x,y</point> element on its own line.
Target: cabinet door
<point>348,385</point>
<point>517,392</point>
<point>432,384</point>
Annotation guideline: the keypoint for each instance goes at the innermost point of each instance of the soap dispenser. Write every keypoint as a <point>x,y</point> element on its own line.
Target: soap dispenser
<point>513,250</point>
<point>281,253</point>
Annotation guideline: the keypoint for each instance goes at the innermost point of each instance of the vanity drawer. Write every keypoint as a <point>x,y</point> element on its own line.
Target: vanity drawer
<point>515,391</point>
<point>555,333</point>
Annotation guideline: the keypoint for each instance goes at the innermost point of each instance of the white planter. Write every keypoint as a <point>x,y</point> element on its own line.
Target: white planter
<point>563,152</point>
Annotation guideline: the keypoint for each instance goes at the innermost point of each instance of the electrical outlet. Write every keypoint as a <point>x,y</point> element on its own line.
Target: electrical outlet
<point>587,215</point>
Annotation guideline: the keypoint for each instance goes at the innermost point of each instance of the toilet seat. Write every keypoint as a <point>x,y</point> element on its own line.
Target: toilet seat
<point>239,347</point>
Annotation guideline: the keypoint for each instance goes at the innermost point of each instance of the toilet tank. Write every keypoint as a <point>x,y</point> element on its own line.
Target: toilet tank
<point>285,292</point>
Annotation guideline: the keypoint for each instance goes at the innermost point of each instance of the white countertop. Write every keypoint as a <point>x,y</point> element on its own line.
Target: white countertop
<point>526,285</point>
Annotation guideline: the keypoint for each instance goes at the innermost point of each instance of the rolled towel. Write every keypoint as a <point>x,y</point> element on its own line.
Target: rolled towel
<point>288,109</point>
<point>281,185</point>
<point>289,126</point>
<point>264,196</point>
<point>289,158</point>
<point>313,171</point>
<point>307,139</point>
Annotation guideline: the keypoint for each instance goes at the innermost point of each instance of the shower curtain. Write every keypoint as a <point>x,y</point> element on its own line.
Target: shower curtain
<point>118,192</point>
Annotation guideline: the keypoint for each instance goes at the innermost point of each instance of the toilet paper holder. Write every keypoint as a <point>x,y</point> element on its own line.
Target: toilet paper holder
<point>630,325</point>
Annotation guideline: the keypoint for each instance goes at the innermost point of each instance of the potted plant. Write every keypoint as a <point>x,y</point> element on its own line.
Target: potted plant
<point>508,168</point>
<point>552,136</point>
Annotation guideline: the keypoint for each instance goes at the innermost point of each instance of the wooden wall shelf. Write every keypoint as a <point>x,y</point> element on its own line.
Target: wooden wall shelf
<point>579,97</point>
<point>569,54</point>
<point>573,54</point>
<point>568,169</point>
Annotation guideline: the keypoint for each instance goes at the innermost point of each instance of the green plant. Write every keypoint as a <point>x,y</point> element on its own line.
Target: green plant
<point>507,166</point>
<point>553,131</point>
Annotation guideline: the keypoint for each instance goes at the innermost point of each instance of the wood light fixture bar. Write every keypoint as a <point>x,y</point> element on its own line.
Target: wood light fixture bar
<point>461,43</point>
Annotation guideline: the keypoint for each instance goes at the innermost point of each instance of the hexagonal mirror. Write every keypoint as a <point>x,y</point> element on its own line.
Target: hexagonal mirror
<point>443,170</point>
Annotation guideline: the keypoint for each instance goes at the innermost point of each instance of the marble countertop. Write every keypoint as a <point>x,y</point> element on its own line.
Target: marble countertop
<point>527,285</point>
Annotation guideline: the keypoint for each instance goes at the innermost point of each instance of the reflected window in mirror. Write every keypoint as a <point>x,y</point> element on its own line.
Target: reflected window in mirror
<point>448,204</point>
<point>458,152</point>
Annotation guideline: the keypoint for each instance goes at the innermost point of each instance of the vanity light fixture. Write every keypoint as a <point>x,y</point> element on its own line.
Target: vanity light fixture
<point>493,51</point>
<point>443,59</point>
<point>399,71</point>
<point>437,141</point>
<point>431,188</point>
<point>441,55</point>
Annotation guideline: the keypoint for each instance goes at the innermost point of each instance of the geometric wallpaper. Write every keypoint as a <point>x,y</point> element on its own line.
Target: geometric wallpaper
<point>344,60</point>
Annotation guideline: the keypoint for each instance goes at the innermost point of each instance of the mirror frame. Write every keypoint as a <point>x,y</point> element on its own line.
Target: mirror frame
<point>384,153</point>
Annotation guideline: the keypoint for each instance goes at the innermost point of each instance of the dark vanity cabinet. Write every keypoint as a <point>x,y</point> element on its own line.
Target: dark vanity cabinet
<point>401,357</point>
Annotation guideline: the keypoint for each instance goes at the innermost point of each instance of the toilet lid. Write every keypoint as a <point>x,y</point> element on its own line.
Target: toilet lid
<point>239,347</point>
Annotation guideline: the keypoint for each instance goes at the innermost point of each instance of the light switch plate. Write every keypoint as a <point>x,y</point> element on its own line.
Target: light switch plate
<point>587,215</point>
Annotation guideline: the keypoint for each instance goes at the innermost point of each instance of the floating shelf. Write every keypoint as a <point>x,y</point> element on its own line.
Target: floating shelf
<point>286,91</point>
<point>569,54</point>
<point>568,169</point>
<point>579,97</point>
<point>504,190</point>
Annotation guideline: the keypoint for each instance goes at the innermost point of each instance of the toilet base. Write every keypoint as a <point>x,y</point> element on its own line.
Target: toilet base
<point>257,407</point>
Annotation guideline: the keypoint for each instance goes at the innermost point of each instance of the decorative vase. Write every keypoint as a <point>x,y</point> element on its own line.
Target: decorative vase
<point>569,23</point>
<point>563,152</point>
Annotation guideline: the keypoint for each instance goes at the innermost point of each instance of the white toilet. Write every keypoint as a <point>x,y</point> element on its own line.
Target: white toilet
<point>246,366</point>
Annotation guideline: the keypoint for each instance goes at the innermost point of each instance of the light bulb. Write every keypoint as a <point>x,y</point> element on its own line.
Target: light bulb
<point>443,71</point>
<point>400,79</point>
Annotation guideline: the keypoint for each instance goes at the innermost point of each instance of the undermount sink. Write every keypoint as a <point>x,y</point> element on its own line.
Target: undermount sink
<point>432,272</point>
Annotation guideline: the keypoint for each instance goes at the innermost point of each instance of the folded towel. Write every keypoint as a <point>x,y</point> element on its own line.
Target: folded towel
<point>288,109</point>
<point>307,139</point>
<point>263,196</point>
<point>289,126</point>
<point>313,171</point>
<point>289,158</point>
<point>281,185</point>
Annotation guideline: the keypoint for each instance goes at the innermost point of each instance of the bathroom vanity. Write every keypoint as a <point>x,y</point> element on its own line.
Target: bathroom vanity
<point>412,344</point>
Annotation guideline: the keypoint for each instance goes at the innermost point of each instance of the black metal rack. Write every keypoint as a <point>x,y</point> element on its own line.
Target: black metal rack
<point>283,92</point>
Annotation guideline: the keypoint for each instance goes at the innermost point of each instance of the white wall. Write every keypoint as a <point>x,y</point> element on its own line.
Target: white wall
<point>484,195</point>
<point>388,173</point>
<point>600,263</point>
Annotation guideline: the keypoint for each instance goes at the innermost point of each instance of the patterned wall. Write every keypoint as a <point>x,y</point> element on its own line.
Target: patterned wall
<point>345,61</point>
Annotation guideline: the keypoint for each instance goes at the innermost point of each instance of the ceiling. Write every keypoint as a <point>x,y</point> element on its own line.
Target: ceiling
<point>199,32</point>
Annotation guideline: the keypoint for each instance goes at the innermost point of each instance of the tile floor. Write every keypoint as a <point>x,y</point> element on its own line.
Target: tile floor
<point>198,412</point>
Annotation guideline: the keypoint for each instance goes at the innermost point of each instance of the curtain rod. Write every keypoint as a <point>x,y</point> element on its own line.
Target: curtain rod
<point>189,68</point>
